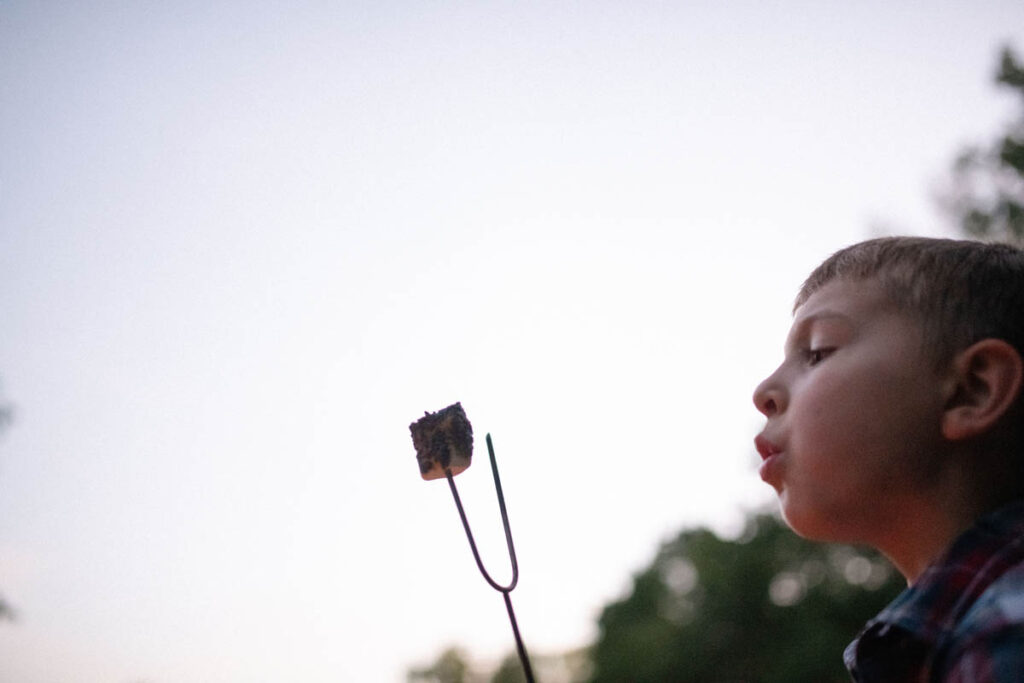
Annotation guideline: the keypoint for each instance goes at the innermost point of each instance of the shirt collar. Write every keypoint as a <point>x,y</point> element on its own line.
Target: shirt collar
<point>931,607</point>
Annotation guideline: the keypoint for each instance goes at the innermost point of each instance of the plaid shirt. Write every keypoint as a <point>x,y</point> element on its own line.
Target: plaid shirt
<point>962,622</point>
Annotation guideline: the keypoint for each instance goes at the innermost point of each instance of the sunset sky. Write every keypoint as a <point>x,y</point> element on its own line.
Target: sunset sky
<point>244,244</point>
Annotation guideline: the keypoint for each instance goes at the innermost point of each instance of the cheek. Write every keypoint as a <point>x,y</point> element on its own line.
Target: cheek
<point>841,445</point>
<point>825,410</point>
<point>853,401</point>
<point>855,429</point>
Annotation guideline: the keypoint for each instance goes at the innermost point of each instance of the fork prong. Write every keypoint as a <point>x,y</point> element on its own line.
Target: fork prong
<point>504,590</point>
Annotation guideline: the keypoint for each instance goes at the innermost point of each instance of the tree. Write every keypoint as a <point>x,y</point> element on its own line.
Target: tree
<point>510,671</point>
<point>985,196</point>
<point>450,667</point>
<point>768,607</point>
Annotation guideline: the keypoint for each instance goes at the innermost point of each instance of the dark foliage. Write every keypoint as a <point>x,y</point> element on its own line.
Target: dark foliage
<point>450,667</point>
<point>768,607</point>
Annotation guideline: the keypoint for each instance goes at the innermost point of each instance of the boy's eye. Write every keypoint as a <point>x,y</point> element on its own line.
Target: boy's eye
<point>815,356</point>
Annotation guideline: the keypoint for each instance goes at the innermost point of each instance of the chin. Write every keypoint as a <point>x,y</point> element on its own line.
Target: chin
<point>810,524</point>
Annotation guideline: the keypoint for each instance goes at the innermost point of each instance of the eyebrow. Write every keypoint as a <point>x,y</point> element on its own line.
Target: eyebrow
<point>801,326</point>
<point>825,314</point>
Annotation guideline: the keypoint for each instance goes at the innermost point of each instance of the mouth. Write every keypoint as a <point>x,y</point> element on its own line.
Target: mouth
<point>765,447</point>
<point>769,453</point>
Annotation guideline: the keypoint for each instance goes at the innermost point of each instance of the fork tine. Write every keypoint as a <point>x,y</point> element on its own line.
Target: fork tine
<point>504,590</point>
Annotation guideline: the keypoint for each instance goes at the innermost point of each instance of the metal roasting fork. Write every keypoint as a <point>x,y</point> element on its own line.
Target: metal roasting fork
<point>504,590</point>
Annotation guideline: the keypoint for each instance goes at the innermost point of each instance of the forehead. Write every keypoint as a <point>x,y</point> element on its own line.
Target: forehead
<point>858,300</point>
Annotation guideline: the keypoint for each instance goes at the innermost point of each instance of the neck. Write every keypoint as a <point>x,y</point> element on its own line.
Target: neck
<point>927,526</point>
<point>922,524</point>
<point>920,540</point>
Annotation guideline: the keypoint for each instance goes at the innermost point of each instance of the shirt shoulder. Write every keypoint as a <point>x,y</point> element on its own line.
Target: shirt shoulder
<point>1002,604</point>
<point>987,645</point>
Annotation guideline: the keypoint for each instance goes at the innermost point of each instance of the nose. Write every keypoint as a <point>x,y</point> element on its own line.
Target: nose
<point>769,396</point>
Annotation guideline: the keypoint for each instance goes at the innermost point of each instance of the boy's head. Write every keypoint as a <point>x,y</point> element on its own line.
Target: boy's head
<point>900,349</point>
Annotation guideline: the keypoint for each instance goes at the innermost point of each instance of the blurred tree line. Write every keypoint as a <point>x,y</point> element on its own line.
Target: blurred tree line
<point>985,196</point>
<point>455,666</point>
<point>767,607</point>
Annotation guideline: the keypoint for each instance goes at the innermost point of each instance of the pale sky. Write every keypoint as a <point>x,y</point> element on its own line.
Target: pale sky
<point>244,245</point>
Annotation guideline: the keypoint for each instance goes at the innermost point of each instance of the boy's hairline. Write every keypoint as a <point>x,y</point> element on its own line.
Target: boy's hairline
<point>806,291</point>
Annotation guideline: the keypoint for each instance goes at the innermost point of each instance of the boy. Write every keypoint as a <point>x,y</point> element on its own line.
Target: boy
<point>896,420</point>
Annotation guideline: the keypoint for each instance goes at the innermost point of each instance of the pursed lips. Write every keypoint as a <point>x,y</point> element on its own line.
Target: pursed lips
<point>770,462</point>
<point>765,447</point>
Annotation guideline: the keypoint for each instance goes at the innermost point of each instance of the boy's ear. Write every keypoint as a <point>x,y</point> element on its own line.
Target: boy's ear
<point>986,380</point>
